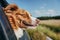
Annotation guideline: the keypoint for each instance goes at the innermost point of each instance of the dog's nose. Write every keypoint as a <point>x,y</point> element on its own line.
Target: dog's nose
<point>37,21</point>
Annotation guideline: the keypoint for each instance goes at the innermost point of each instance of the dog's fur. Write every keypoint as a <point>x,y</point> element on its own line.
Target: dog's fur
<point>19,18</point>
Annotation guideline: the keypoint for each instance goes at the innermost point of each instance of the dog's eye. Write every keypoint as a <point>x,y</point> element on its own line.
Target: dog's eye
<point>23,15</point>
<point>12,9</point>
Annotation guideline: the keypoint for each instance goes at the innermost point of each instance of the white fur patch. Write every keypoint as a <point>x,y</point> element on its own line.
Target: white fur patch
<point>18,33</point>
<point>33,20</point>
<point>33,23</point>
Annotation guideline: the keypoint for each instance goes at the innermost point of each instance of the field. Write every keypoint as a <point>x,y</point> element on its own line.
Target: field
<point>51,22</point>
<point>50,28</point>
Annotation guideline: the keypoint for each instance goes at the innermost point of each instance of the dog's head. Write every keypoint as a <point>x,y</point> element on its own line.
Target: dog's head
<point>25,20</point>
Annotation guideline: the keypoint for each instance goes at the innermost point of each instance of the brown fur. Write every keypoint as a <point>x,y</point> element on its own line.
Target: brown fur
<point>15,15</point>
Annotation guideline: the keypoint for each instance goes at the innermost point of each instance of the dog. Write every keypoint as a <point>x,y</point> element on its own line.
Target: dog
<point>20,19</point>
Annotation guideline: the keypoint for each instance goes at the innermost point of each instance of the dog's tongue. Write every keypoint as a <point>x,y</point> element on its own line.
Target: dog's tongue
<point>27,24</point>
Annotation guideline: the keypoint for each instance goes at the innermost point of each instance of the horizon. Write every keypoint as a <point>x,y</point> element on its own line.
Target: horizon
<point>39,8</point>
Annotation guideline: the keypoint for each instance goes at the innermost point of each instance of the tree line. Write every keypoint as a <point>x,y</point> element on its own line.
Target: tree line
<point>48,17</point>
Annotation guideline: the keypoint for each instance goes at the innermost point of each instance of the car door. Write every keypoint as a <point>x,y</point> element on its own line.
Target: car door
<point>6,32</point>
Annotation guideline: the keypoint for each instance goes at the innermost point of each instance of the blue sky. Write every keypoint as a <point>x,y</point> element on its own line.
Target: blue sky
<point>39,7</point>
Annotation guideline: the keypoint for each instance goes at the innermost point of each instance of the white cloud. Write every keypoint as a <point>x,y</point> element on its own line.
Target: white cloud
<point>42,11</point>
<point>49,12</point>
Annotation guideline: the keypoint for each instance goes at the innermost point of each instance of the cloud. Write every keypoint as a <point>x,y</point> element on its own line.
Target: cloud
<point>49,12</point>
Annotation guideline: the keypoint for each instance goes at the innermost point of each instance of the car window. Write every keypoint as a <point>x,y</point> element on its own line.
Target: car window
<point>6,31</point>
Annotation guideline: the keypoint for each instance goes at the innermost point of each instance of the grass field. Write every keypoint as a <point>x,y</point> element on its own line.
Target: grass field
<point>51,22</point>
<point>49,28</point>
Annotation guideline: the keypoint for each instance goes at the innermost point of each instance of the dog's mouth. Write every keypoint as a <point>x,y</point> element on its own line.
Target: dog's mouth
<point>27,24</point>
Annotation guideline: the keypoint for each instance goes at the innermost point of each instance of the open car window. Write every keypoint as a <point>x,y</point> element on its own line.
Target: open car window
<point>6,32</point>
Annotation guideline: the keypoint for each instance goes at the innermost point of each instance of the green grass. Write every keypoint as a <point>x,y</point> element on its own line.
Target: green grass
<point>54,28</point>
<point>36,35</point>
<point>48,32</point>
<point>41,32</point>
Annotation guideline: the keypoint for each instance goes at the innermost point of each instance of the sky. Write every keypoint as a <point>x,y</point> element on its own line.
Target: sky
<point>39,8</point>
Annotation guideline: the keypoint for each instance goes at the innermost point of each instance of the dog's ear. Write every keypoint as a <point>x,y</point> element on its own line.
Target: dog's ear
<point>11,7</point>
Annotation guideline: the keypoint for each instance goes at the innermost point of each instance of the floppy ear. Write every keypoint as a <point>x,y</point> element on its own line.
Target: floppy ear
<point>11,7</point>
<point>13,21</point>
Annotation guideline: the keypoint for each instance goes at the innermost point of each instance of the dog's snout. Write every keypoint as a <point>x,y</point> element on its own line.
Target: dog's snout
<point>37,21</point>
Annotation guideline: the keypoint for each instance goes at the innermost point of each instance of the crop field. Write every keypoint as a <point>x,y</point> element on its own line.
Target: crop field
<point>51,22</point>
<point>46,28</point>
